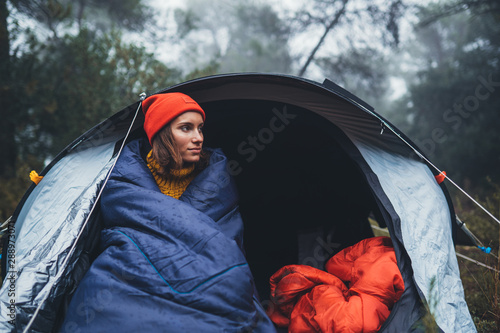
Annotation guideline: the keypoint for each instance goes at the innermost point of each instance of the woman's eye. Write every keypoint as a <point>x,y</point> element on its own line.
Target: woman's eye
<point>184,128</point>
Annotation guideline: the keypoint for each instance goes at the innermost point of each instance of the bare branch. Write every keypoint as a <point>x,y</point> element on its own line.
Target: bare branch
<point>328,28</point>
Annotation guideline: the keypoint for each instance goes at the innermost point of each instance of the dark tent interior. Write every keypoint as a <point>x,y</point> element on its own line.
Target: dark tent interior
<point>302,198</point>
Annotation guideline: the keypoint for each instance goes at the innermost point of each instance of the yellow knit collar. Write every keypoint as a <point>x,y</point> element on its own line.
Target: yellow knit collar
<point>184,172</point>
<point>154,166</point>
<point>178,181</point>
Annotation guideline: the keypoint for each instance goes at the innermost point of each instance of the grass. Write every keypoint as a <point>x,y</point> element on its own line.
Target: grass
<point>482,289</point>
<point>482,285</point>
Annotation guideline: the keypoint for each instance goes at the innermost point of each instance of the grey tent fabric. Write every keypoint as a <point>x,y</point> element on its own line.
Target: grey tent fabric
<point>55,211</point>
<point>426,232</point>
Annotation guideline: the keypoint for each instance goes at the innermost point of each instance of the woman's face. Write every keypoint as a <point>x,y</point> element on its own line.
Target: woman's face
<point>187,135</point>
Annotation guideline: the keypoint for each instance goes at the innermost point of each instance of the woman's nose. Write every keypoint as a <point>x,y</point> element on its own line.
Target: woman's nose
<point>198,137</point>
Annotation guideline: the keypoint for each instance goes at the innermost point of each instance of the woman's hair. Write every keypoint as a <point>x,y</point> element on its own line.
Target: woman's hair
<point>168,156</point>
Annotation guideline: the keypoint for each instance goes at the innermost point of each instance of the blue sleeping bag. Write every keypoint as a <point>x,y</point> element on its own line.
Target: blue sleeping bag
<point>168,265</point>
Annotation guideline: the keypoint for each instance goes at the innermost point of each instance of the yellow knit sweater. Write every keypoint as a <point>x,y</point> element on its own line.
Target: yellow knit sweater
<point>178,181</point>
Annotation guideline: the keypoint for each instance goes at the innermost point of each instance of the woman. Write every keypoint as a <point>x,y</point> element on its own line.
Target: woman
<point>172,257</point>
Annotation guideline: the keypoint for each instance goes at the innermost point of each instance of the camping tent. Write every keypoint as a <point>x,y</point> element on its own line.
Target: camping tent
<point>313,164</point>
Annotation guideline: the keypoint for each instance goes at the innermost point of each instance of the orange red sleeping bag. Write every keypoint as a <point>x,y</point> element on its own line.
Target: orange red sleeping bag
<point>355,294</point>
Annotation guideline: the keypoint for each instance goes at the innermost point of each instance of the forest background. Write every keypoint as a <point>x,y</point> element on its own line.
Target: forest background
<point>431,68</point>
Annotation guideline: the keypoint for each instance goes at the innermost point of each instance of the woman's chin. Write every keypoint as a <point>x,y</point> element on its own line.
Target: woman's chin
<point>191,160</point>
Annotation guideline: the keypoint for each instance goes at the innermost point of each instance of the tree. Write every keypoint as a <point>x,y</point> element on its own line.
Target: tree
<point>7,125</point>
<point>453,101</point>
<point>55,85</point>
<point>259,42</point>
<point>361,24</point>
<point>64,76</point>
<point>99,15</point>
<point>78,81</point>
<point>249,37</point>
<point>363,71</point>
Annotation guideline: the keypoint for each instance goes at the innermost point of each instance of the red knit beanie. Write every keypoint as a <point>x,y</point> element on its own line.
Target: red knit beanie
<point>161,109</point>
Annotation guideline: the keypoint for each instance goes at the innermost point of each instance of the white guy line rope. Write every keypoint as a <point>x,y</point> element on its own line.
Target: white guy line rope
<point>476,262</point>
